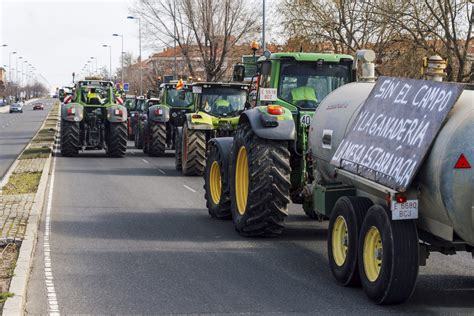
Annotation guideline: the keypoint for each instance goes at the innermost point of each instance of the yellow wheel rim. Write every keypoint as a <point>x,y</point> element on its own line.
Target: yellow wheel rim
<point>373,252</point>
<point>241,180</point>
<point>340,241</point>
<point>215,182</point>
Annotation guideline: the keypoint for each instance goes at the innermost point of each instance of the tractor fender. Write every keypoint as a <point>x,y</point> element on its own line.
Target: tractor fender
<point>153,113</point>
<point>200,126</point>
<point>284,129</point>
<point>72,112</point>
<point>116,113</point>
<point>224,145</point>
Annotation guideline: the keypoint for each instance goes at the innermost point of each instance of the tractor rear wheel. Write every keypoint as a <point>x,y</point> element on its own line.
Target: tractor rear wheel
<point>157,139</point>
<point>178,154</point>
<point>70,138</point>
<point>216,181</point>
<point>117,140</point>
<point>138,140</point>
<point>259,183</point>
<point>193,152</point>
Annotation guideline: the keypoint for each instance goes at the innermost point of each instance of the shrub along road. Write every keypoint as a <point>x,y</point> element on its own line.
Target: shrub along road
<point>132,236</point>
<point>17,129</point>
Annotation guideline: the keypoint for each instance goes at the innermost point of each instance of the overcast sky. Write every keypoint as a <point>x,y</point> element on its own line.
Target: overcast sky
<point>59,37</point>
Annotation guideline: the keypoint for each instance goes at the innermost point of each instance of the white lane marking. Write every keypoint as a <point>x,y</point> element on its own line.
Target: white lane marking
<point>53,306</point>
<point>162,171</point>
<point>190,189</point>
<point>145,161</point>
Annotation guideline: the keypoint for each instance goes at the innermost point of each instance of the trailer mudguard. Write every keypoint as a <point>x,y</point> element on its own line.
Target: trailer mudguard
<point>72,112</point>
<point>159,113</point>
<point>116,113</point>
<point>266,126</point>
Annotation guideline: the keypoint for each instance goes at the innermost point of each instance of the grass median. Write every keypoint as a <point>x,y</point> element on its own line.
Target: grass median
<point>22,183</point>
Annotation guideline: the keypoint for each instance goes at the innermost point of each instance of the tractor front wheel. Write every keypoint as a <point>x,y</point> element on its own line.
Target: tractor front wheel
<point>259,183</point>
<point>178,154</point>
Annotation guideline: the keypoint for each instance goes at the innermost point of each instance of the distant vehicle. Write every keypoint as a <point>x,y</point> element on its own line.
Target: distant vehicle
<point>55,96</point>
<point>38,106</point>
<point>16,107</point>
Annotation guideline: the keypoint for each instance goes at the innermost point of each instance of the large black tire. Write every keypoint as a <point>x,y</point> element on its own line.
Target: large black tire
<point>216,180</point>
<point>267,183</point>
<point>157,139</point>
<point>178,155</point>
<point>70,138</point>
<point>194,152</point>
<point>117,140</point>
<point>343,238</point>
<point>398,269</point>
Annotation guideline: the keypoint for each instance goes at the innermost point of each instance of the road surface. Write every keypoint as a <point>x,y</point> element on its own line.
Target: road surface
<point>132,236</point>
<point>17,129</point>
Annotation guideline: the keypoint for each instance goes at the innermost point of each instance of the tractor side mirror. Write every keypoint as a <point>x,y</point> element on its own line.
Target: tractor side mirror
<point>265,67</point>
<point>238,73</point>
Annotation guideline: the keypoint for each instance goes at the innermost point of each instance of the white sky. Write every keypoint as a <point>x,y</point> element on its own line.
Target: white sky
<point>59,37</point>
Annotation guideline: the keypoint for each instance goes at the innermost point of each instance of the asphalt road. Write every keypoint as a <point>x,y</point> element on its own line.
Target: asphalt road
<point>132,236</point>
<point>16,131</point>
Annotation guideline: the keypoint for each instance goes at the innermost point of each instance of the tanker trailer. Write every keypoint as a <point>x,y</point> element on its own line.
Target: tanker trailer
<point>379,233</point>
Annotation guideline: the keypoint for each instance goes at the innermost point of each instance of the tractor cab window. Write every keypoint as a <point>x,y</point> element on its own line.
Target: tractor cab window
<point>223,101</point>
<point>305,84</point>
<point>179,98</point>
<point>95,95</point>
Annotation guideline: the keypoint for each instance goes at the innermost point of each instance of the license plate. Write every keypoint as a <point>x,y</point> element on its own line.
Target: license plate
<point>407,210</point>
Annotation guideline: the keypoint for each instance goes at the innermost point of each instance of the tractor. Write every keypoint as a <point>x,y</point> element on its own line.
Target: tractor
<point>166,118</point>
<point>252,176</point>
<point>93,120</point>
<point>218,107</point>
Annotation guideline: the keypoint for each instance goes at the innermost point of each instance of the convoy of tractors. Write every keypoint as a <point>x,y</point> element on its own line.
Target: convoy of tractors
<point>315,129</point>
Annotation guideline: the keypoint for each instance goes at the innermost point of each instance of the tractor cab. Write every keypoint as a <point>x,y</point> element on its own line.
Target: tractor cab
<point>220,99</point>
<point>176,95</point>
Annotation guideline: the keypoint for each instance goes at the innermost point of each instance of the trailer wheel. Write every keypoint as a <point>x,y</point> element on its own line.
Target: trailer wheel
<point>216,183</point>
<point>70,138</point>
<point>178,157</point>
<point>259,183</point>
<point>388,264</point>
<point>157,139</point>
<point>117,140</point>
<point>343,236</point>
<point>193,152</point>
<point>138,140</point>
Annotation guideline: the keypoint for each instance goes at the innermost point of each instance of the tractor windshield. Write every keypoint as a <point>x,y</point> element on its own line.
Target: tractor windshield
<point>179,98</point>
<point>95,95</point>
<point>223,101</point>
<point>305,84</point>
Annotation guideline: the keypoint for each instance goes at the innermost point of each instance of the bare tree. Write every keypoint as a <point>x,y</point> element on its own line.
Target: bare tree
<point>217,26</point>
<point>165,24</point>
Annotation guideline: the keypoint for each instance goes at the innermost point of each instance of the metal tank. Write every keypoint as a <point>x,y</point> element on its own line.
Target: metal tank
<point>445,193</point>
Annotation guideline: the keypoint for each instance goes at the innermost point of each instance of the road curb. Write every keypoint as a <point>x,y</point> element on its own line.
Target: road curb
<point>19,282</point>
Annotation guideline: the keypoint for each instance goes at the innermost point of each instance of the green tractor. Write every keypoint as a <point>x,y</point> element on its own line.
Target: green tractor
<point>164,119</point>
<point>253,176</point>
<point>218,107</point>
<point>93,120</point>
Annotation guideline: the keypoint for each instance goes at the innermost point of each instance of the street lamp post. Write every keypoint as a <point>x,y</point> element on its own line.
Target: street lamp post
<point>263,28</point>
<point>10,65</point>
<point>96,70</point>
<point>110,59</point>
<point>3,45</point>
<point>140,51</point>
<point>121,56</point>
<point>17,70</point>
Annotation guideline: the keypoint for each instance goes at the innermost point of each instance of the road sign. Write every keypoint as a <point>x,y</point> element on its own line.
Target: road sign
<point>391,135</point>
<point>125,87</point>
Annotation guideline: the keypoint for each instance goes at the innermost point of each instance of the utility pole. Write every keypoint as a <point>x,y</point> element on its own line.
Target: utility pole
<point>263,28</point>
<point>175,76</point>
<point>140,50</point>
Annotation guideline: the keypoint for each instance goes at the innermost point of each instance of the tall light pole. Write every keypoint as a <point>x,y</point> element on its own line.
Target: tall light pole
<point>17,70</point>
<point>3,45</point>
<point>10,64</point>
<point>23,72</point>
<point>140,51</point>
<point>110,60</point>
<point>96,71</point>
<point>121,56</point>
